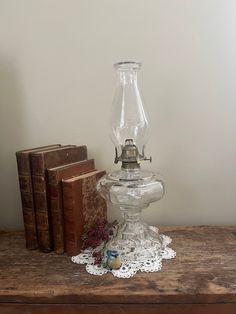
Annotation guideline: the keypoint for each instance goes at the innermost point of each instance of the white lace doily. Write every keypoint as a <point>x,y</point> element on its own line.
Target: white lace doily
<point>128,268</point>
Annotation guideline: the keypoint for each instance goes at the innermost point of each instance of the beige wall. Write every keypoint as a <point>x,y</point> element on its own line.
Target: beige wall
<point>57,82</point>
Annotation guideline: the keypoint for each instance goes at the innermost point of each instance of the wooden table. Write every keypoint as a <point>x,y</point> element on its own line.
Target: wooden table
<point>201,279</point>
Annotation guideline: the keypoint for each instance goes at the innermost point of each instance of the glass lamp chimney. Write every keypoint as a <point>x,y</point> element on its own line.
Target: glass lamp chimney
<point>129,122</point>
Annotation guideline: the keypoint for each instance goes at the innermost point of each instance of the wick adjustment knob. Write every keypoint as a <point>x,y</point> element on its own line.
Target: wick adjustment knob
<point>150,158</point>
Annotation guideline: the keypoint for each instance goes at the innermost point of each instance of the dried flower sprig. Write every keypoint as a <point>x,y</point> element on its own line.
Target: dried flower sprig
<point>96,236</point>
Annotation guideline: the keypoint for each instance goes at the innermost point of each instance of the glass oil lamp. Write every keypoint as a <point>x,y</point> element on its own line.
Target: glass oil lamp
<point>130,188</point>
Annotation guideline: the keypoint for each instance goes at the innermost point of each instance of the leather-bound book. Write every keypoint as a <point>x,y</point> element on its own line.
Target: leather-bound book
<point>55,175</point>
<point>82,206</point>
<point>26,191</point>
<point>40,161</point>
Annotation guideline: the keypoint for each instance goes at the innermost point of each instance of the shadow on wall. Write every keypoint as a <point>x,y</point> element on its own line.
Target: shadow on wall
<point>13,136</point>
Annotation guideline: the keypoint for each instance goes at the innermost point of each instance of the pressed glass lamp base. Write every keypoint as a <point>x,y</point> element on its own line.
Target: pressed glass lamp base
<point>135,239</point>
<point>133,191</point>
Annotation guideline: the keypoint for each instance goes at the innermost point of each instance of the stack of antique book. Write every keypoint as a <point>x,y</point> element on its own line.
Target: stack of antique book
<point>59,197</point>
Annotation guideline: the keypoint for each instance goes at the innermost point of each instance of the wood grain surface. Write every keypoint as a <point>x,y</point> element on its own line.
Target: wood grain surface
<point>225,308</point>
<point>204,271</point>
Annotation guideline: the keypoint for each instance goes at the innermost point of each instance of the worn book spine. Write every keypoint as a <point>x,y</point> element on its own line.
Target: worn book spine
<point>27,199</point>
<point>82,206</point>
<point>55,195</point>
<point>42,214</point>
<point>39,163</point>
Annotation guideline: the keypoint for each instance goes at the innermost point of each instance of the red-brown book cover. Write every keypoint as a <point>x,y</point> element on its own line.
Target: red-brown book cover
<point>82,206</point>
<point>55,175</point>
<point>26,191</point>
<point>40,161</point>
